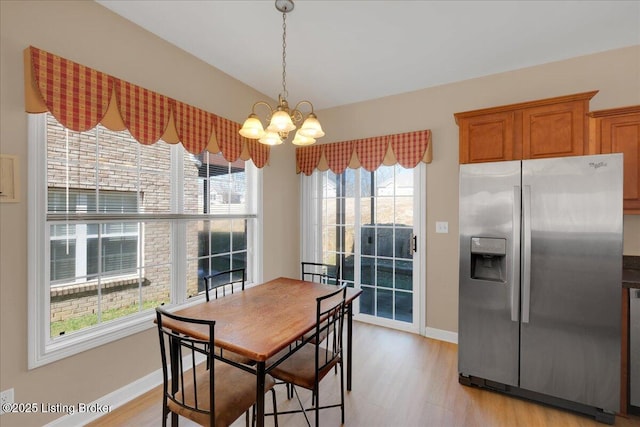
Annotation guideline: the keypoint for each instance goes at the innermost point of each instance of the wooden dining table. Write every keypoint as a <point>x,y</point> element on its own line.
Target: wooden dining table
<point>262,320</point>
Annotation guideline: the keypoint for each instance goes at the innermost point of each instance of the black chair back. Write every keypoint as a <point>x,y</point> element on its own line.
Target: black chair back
<point>182,383</point>
<point>320,273</point>
<point>223,281</point>
<point>330,311</point>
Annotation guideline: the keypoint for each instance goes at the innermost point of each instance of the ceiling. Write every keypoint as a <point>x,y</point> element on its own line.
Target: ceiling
<point>341,52</point>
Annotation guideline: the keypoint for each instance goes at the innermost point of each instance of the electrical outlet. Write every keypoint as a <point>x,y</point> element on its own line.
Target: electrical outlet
<point>442,227</point>
<point>6,398</point>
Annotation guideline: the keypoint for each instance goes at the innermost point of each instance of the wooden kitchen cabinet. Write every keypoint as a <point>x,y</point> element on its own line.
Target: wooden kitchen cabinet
<point>617,130</point>
<point>553,127</point>
<point>487,137</point>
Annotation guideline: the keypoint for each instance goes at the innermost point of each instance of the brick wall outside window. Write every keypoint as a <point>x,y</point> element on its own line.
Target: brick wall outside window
<point>118,171</point>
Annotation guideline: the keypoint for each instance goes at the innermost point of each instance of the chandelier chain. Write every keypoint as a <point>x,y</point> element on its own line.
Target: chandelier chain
<point>285,94</point>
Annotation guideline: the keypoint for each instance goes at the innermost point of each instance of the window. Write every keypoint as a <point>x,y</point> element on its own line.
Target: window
<point>75,248</point>
<point>223,194</point>
<point>118,228</point>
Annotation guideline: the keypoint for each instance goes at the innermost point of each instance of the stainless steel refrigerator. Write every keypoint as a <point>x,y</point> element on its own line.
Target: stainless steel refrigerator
<point>540,280</point>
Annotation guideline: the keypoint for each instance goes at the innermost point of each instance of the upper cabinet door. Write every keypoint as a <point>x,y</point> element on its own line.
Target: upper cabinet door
<point>553,127</point>
<point>617,130</point>
<point>487,138</point>
<point>556,130</point>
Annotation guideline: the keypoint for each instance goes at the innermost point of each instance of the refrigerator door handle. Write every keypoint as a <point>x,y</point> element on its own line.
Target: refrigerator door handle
<point>514,280</point>
<point>526,252</point>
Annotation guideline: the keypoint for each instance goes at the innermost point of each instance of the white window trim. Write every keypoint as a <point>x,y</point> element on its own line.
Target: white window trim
<point>41,348</point>
<point>310,217</point>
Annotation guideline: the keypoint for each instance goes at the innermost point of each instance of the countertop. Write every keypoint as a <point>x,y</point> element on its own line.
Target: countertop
<point>631,272</point>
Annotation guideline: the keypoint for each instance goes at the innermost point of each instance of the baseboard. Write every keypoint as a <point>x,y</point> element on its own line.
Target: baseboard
<point>109,402</point>
<point>441,335</point>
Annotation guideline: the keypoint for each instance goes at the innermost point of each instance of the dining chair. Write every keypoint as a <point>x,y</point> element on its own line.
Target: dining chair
<point>310,363</point>
<point>226,281</point>
<point>320,273</point>
<point>208,396</point>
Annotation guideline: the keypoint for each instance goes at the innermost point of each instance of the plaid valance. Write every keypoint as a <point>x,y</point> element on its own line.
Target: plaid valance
<point>80,97</point>
<point>406,149</point>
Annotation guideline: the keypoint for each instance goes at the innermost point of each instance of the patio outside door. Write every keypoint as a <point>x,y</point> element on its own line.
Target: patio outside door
<point>369,224</point>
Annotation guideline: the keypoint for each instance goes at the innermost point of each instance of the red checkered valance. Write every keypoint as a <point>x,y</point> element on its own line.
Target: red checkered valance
<point>80,98</point>
<point>406,149</point>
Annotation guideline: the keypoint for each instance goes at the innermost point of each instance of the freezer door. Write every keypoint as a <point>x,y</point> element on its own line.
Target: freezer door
<point>572,255</point>
<point>489,279</point>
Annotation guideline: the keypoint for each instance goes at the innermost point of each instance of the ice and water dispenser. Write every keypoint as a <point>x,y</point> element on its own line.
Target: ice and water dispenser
<point>488,259</point>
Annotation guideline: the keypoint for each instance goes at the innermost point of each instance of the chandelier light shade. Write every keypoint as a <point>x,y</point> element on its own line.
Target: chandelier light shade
<point>252,127</point>
<point>270,138</point>
<point>300,139</point>
<point>311,127</point>
<point>283,120</point>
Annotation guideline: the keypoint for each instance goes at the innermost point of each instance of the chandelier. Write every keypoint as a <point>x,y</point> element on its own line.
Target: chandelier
<point>283,120</point>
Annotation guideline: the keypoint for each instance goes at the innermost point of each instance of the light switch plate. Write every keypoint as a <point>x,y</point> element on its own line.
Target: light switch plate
<point>442,227</point>
<point>6,398</point>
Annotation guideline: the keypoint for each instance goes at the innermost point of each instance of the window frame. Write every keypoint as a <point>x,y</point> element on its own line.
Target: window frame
<point>42,349</point>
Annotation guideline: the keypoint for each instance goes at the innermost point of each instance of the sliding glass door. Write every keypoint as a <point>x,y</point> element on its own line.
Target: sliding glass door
<point>369,223</point>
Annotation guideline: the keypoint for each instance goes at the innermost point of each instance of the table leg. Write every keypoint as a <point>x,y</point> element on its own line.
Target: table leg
<point>260,375</point>
<point>349,343</point>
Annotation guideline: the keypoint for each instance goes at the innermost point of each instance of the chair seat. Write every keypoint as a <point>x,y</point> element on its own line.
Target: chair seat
<point>300,369</point>
<point>235,393</point>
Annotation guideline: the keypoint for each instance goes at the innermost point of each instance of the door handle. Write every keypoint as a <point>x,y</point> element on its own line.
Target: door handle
<point>526,253</point>
<point>415,243</point>
<point>514,279</point>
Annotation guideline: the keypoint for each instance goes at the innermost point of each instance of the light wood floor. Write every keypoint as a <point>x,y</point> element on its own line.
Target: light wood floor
<point>399,380</point>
